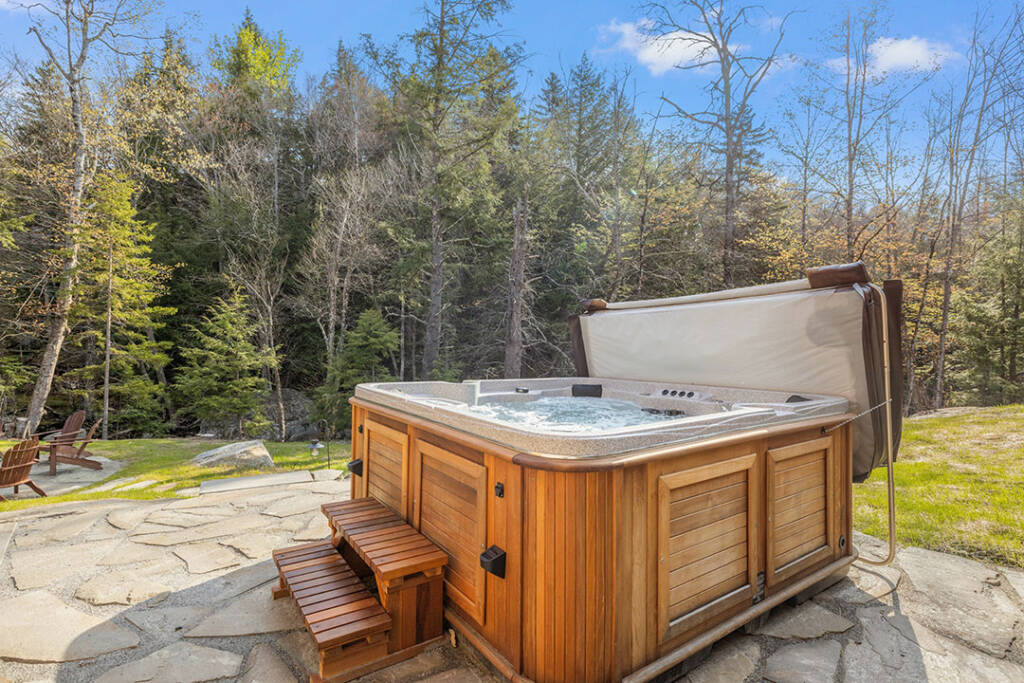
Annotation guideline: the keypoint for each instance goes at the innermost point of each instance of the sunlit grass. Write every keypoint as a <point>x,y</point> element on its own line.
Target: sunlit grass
<point>168,462</point>
<point>959,486</point>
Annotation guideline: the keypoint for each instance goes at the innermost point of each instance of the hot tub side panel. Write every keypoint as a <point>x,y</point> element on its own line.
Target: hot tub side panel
<point>706,536</point>
<point>570,610</point>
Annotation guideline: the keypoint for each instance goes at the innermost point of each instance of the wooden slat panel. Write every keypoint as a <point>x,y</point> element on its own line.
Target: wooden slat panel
<point>792,513</point>
<point>705,535</point>
<point>729,584</point>
<point>386,465</point>
<point>788,556</point>
<point>799,527</point>
<point>801,491</point>
<point>709,547</point>
<point>684,492</point>
<point>704,581</point>
<point>708,499</point>
<point>682,573</point>
<point>787,467</point>
<point>451,510</point>
<point>815,529</point>
<point>568,608</point>
<point>791,486</point>
<point>702,518</point>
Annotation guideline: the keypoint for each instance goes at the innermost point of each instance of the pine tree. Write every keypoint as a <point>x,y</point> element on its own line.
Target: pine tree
<point>118,284</point>
<point>362,360</point>
<point>221,380</point>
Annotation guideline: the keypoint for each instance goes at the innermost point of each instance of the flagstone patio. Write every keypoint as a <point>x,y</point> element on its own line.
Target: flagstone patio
<point>178,590</point>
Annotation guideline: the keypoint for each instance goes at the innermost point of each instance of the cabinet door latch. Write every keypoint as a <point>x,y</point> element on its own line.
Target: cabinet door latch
<point>493,560</point>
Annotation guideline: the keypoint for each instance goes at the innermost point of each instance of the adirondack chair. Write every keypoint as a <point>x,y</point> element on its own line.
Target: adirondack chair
<point>17,465</point>
<point>62,447</point>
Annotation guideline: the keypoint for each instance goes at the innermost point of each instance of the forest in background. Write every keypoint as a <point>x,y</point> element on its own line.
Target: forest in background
<point>188,249</point>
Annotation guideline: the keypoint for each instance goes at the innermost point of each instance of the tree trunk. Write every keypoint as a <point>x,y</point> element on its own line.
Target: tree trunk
<point>729,242</point>
<point>342,315</point>
<point>947,292</point>
<point>516,289</point>
<point>432,335</point>
<point>58,324</point>
<point>280,403</point>
<point>106,341</point>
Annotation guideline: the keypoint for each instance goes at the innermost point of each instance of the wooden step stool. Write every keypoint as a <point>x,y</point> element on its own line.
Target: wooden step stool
<point>348,624</point>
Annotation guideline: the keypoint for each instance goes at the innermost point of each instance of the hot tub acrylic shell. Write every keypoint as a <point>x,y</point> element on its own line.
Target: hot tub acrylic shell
<point>615,560</point>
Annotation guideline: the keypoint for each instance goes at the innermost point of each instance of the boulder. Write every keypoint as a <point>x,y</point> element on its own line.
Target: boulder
<point>243,455</point>
<point>298,408</point>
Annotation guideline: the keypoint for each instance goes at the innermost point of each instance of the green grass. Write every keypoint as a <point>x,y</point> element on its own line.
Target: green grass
<point>168,461</point>
<point>959,485</point>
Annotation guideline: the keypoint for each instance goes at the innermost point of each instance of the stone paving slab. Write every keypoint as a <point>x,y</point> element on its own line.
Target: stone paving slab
<point>166,619</point>
<point>121,588</point>
<point>251,614</point>
<point>44,565</point>
<point>809,620</point>
<point>178,663</point>
<point>231,526</point>
<point>206,557</point>
<point>296,505</point>
<point>39,627</point>
<point>254,481</point>
<point>804,662</point>
<point>264,665</point>
<point>130,517</point>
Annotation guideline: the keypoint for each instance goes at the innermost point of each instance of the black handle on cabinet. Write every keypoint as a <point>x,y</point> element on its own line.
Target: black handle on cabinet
<point>355,467</point>
<point>493,560</point>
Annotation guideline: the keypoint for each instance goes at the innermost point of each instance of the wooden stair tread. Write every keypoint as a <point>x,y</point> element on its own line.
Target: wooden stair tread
<point>389,546</point>
<point>334,603</point>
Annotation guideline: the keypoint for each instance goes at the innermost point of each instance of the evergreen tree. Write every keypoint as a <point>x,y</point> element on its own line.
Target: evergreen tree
<point>255,61</point>
<point>221,380</point>
<point>367,346</point>
<point>118,284</point>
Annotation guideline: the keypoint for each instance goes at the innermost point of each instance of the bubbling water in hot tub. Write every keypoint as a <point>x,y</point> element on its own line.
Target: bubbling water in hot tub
<point>571,414</point>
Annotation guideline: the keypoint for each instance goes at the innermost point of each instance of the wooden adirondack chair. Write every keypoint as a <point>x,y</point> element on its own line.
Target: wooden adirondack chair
<point>17,465</point>
<point>62,447</point>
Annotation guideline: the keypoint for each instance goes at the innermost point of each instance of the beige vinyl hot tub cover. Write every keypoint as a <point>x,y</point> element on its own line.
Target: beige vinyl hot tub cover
<point>821,335</point>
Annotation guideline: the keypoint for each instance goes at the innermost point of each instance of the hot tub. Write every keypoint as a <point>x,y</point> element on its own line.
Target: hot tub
<point>697,471</point>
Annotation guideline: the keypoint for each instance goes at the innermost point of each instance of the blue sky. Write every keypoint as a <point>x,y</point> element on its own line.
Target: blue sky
<point>556,34</point>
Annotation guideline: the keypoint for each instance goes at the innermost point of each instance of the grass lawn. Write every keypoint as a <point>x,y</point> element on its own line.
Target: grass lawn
<point>959,485</point>
<point>168,461</point>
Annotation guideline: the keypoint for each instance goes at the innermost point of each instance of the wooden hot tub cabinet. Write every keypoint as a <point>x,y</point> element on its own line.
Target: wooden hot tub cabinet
<point>615,566</point>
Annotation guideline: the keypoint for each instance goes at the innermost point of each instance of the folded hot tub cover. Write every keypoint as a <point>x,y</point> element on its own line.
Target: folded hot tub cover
<point>821,334</point>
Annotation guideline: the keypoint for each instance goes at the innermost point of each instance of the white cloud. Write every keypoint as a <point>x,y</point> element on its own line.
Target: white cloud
<point>891,55</point>
<point>909,54</point>
<point>658,53</point>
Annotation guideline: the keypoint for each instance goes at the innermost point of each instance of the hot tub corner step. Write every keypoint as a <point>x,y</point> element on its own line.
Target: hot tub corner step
<point>255,481</point>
